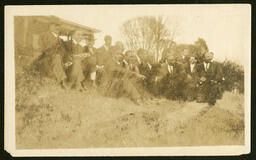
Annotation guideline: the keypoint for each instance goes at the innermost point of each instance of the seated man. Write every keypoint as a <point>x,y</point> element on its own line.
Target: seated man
<point>116,79</point>
<point>149,69</point>
<point>118,54</point>
<point>170,80</point>
<point>126,58</point>
<point>210,77</point>
<point>52,52</point>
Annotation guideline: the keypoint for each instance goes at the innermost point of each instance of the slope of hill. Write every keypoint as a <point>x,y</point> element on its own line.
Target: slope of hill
<point>50,117</point>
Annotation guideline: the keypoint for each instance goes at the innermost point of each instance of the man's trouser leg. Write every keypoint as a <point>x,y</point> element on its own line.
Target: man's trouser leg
<point>76,74</point>
<point>202,93</point>
<point>58,69</point>
<point>212,94</point>
<point>130,90</point>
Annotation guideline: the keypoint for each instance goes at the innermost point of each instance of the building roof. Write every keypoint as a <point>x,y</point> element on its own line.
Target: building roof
<point>65,24</point>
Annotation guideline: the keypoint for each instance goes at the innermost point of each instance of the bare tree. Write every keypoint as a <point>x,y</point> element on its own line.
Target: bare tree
<point>150,33</point>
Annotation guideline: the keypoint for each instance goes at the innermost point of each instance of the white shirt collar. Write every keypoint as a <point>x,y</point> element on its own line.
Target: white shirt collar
<point>80,43</point>
<point>74,41</point>
<point>138,58</point>
<point>170,68</point>
<point>106,47</point>
<point>192,66</point>
<point>55,35</point>
<point>125,61</point>
<point>206,65</point>
<point>149,65</point>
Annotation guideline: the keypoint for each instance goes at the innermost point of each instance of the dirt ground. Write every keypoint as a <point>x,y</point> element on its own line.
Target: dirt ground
<point>50,117</point>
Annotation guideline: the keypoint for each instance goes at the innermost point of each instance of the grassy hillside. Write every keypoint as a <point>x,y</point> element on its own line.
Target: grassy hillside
<point>50,117</point>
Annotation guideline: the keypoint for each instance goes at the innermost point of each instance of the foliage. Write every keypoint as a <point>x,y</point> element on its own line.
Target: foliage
<point>147,32</point>
<point>234,76</point>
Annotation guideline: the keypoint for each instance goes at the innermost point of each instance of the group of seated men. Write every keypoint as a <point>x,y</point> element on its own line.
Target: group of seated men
<point>137,76</point>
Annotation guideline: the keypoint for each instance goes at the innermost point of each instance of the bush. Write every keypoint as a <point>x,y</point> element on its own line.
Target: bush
<point>234,76</point>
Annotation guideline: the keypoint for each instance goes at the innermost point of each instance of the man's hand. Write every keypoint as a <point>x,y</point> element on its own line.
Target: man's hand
<point>189,77</point>
<point>140,76</point>
<point>67,64</point>
<point>99,67</point>
<point>82,55</point>
<point>202,79</point>
<point>213,81</point>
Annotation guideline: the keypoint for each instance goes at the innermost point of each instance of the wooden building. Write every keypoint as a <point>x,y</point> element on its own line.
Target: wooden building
<point>27,30</point>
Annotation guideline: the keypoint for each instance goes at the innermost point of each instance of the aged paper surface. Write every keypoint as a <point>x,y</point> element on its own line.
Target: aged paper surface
<point>118,109</point>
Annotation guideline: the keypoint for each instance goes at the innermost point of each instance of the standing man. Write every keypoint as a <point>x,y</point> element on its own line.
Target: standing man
<point>210,77</point>
<point>192,79</point>
<point>52,51</point>
<point>76,55</point>
<point>104,51</point>
<point>104,60</point>
<point>89,63</point>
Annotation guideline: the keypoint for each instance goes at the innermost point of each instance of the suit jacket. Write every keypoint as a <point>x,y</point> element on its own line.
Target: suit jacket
<point>50,45</point>
<point>104,56</point>
<point>73,49</point>
<point>177,74</point>
<point>192,75</point>
<point>213,73</point>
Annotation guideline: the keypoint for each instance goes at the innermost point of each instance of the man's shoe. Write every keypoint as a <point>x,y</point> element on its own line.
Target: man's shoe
<point>64,85</point>
<point>138,101</point>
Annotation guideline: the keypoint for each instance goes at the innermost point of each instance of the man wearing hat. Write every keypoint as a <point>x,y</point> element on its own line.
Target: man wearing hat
<point>210,78</point>
<point>52,52</point>
<point>89,63</point>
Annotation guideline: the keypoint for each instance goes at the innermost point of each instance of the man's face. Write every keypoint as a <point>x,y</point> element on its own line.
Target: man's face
<point>128,53</point>
<point>203,50</point>
<point>90,43</point>
<point>78,36</point>
<point>119,47</point>
<point>185,52</point>
<point>192,60</point>
<point>208,57</point>
<point>55,28</point>
<point>108,42</point>
<point>171,60</point>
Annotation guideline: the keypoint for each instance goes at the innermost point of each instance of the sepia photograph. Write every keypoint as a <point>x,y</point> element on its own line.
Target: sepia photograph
<point>127,79</point>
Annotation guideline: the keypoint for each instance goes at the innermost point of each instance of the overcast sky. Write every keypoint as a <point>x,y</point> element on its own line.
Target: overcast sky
<point>226,28</point>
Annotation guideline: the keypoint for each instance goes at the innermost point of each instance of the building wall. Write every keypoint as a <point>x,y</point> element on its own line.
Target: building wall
<point>27,30</point>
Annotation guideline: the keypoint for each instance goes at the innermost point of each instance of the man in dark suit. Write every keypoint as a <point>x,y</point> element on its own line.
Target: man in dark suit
<point>104,51</point>
<point>89,63</point>
<point>117,80</point>
<point>170,79</point>
<point>210,77</point>
<point>104,60</point>
<point>52,52</point>
<point>191,79</point>
<point>149,69</point>
<point>184,58</point>
<point>76,55</point>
